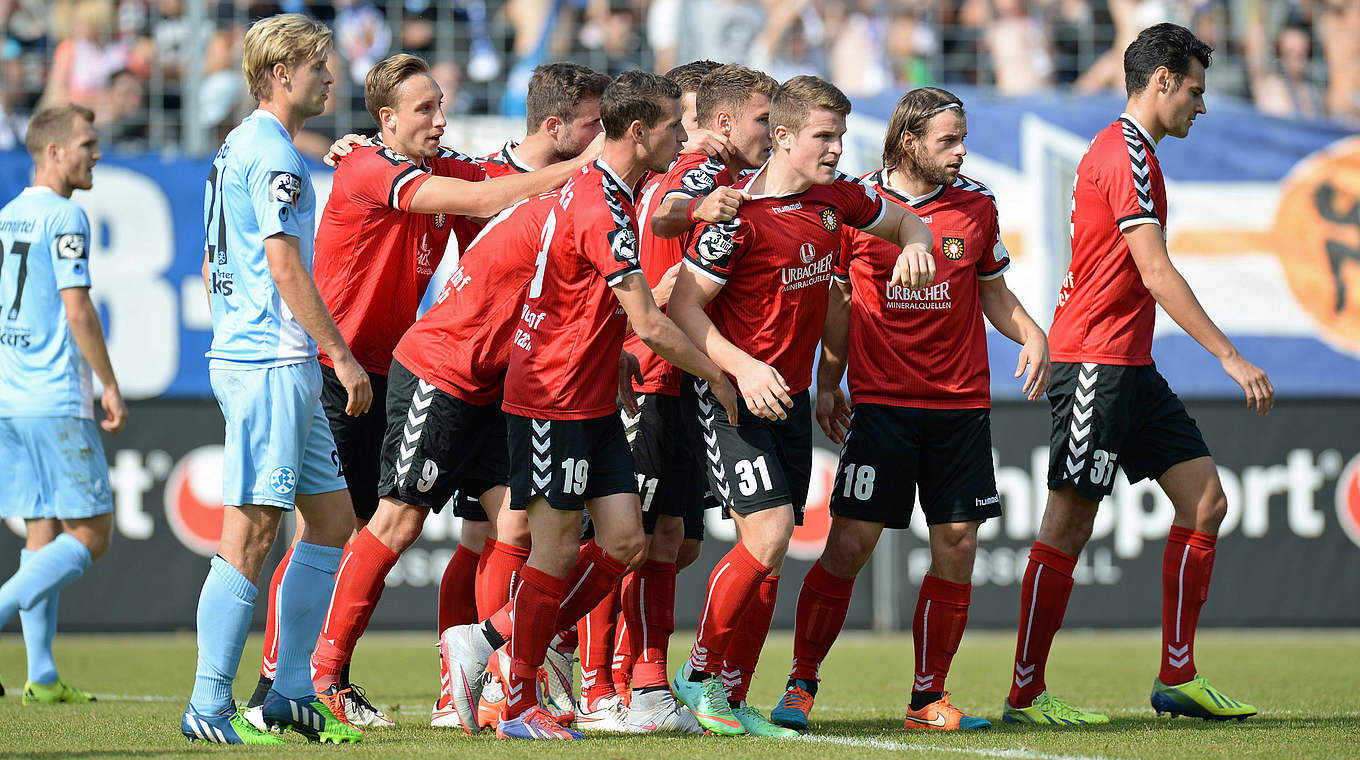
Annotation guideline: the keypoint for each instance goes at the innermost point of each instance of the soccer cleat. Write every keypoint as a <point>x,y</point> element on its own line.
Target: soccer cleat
<point>607,717</point>
<point>442,715</point>
<point>793,707</point>
<point>466,668</point>
<point>360,712</point>
<point>230,727</point>
<point>708,702</point>
<point>1049,710</point>
<point>535,724</point>
<point>491,702</point>
<point>560,672</point>
<point>313,718</point>
<point>666,716</point>
<point>54,693</point>
<point>1197,699</point>
<point>758,725</point>
<point>942,716</point>
<point>498,667</point>
<point>262,688</point>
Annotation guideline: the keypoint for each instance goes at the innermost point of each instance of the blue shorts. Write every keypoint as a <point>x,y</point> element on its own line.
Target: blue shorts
<point>53,467</point>
<point>278,441</point>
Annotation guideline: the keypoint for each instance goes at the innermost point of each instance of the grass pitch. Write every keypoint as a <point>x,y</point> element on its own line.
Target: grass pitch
<point>1307,685</point>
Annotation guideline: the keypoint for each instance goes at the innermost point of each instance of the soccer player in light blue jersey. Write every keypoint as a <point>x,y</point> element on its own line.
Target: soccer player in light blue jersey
<point>268,320</point>
<point>53,473</point>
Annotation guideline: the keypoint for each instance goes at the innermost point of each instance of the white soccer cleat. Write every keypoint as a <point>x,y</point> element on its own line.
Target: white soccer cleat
<point>664,715</point>
<point>461,648</point>
<point>443,714</point>
<point>560,671</point>
<point>360,712</point>
<point>607,717</point>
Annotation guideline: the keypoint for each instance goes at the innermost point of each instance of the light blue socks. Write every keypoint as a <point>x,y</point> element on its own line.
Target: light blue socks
<point>40,628</point>
<point>47,570</point>
<point>303,598</point>
<point>225,607</point>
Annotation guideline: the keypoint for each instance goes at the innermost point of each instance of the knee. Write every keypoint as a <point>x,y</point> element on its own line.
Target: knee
<point>1213,508</point>
<point>96,542</point>
<point>845,555</point>
<point>690,549</point>
<point>334,529</point>
<point>667,539</point>
<point>628,548</point>
<point>513,530</point>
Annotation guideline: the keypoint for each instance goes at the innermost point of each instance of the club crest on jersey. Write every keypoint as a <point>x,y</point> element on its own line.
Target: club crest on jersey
<point>829,220</point>
<point>807,252</point>
<point>623,244</point>
<point>284,187</point>
<point>71,246</point>
<point>439,220</point>
<point>716,242</point>
<point>952,247</point>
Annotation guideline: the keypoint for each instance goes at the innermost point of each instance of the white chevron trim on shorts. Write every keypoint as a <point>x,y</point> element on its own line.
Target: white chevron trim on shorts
<point>541,441</point>
<point>707,412</point>
<point>416,415</point>
<point>1083,408</point>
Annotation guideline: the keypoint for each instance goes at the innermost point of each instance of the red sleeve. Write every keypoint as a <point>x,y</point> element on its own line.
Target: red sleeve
<point>996,259</point>
<point>840,268</point>
<point>454,164</point>
<point>1124,178</point>
<point>858,201</point>
<point>379,177</point>
<point>608,243</point>
<point>715,250</point>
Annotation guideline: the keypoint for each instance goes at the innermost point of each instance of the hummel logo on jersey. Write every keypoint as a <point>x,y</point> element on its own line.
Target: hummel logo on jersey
<point>284,187</point>
<point>71,245</point>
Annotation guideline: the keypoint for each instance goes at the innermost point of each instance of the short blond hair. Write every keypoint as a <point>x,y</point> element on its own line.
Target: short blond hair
<point>727,88</point>
<point>53,126</point>
<point>383,80</point>
<point>288,38</point>
<point>798,97</point>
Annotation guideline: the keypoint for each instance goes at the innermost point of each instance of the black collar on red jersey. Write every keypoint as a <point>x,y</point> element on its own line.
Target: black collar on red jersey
<point>508,155</point>
<point>1128,119</point>
<point>880,180</point>
<point>613,175</point>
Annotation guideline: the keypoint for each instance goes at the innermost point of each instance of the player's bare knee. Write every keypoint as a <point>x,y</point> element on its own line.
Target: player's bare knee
<point>689,552</point>
<point>1213,508</point>
<point>627,547</point>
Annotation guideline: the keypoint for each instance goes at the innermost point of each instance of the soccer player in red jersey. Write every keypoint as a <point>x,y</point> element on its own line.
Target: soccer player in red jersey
<point>381,236</point>
<point>563,116</point>
<point>1111,408</point>
<point>921,390</point>
<point>733,104</point>
<point>753,295</point>
<point>567,445</point>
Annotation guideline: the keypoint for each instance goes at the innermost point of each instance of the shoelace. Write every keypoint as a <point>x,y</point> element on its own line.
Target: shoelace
<point>360,699</point>
<point>798,699</point>
<point>754,715</point>
<point>717,695</point>
<point>1063,710</point>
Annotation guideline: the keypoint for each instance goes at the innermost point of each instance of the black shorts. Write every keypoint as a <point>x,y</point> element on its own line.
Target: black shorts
<point>438,444</point>
<point>892,451</point>
<point>469,507</point>
<point>1109,416</point>
<point>759,464</point>
<point>358,440</point>
<point>669,479</point>
<point>568,461</point>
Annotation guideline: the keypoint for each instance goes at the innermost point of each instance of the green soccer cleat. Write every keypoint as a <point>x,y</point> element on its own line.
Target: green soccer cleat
<point>1049,710</point>
<point>757,725</point>
<point>1197,699</point>
<point>707,700</point>
<point>54,693</point>
<point>230,727</point>
<point>312,718</point>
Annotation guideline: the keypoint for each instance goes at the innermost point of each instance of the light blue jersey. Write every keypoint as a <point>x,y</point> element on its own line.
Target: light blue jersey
<point>258,187</point>
<point>44,248</point>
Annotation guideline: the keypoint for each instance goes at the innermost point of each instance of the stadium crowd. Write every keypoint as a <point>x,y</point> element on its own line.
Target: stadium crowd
<point>133,60</point>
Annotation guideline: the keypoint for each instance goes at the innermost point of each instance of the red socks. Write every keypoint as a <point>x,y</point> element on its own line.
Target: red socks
<point>358,585</point>
<point>743,648</point>
<point>822,605</point>
<point>937,627</point>
<point>648,598</point>
<point>1186,566</point>
<point>594,577</point>
<point>269,660</point>
<point>496,571</point>
<point>1044,592</point>
<point>731,587</point>
<point>535,612</point>
<point>596,631</point>
<point>457,589</point>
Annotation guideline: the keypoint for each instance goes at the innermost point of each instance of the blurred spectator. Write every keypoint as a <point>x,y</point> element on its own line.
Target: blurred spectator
<point>87,55</point>
<point>911,44</point>
<point>1282,84</point>
<point>121,118</point>
<point>362,37</point>
<point>1019,47</point>
<point>1339,27</point>
<point>616,39</point>
<point>13,106</point>
<point>856,33</point>
<point>790,42</point>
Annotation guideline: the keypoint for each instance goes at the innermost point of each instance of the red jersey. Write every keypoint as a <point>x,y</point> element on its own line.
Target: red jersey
<point>504,162</point>
<point>924,348</point>
<point>693,175</point>
<point>462,344</point>
<point>1105,314</point>
<point>374,258</point>
<point>774,260</point>
<point>564,364</point>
